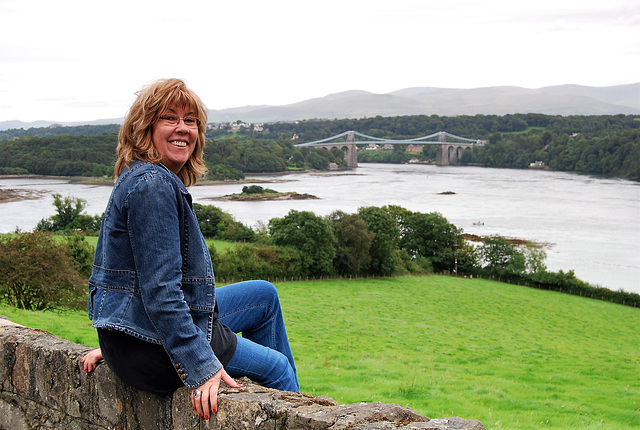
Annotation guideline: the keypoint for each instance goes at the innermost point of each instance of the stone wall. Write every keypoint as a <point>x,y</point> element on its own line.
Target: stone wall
<point>43,386</point>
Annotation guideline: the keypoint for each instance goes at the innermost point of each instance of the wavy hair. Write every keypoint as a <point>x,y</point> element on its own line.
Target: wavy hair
<point>135,137</point>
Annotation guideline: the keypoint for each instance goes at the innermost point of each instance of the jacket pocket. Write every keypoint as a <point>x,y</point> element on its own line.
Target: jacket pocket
<point>199,293</point>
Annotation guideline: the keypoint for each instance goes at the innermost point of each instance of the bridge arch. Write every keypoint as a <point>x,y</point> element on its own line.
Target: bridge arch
<point>349,150</point>
<point>449,154</point>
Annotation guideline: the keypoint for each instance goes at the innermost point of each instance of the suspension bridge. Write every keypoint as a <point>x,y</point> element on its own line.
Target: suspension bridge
<point>449,151</point>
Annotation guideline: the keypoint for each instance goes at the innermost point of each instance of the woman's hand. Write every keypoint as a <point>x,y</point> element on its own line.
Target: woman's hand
<point>90,360</point>
<point>209,393</point>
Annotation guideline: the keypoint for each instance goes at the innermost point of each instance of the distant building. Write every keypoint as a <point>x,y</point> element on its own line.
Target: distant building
<point>414,148</point>
<point>537,165</point>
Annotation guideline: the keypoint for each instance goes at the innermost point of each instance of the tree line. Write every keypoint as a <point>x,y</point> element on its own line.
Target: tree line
<point>37,271</point>
<point>597,144</point>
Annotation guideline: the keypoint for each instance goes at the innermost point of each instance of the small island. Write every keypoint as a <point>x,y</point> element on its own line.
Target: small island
<point>257,193</point>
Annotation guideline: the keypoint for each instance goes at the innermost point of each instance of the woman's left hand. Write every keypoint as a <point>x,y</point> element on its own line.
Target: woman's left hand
<point>209,393</point>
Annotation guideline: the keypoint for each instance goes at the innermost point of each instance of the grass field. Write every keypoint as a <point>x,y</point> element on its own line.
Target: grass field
<point>221,246</point>
<point>510,356</point>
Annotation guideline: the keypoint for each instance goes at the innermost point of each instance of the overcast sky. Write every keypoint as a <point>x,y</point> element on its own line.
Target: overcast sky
<point>82,60</point>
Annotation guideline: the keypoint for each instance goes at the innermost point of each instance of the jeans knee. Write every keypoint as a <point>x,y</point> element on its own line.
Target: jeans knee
<point>267,290</point>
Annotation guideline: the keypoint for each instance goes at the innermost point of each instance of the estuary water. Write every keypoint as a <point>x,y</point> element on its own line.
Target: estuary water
<point>588,224</point>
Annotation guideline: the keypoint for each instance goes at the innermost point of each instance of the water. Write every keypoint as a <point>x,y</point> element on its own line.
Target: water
<point>589,224</point>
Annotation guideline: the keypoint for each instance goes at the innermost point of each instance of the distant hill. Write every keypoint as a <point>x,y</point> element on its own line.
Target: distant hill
<point>6,125</point>
<point>554,100</point>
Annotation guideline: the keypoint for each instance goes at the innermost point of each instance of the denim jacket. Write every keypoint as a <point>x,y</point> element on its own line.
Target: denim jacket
<point>152,276</point>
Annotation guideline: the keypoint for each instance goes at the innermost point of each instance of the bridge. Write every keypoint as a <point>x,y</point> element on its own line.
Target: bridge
<point>449,151</point>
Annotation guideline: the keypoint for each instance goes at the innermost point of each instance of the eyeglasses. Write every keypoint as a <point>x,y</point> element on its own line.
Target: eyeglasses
<point>189,121</point>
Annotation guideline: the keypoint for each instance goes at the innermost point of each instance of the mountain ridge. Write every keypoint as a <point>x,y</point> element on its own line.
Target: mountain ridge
<point>569,99</point>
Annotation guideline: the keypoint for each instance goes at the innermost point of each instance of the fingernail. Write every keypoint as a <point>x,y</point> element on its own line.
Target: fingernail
<point>200,415</point>
<point>215,411</point>
<point>206,417</point>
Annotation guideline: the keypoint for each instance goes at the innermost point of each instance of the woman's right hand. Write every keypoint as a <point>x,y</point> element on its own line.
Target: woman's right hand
<point>91,359</point>
<point>209,393</point>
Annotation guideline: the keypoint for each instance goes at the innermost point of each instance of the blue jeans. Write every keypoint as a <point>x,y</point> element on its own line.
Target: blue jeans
<point>263,353</point>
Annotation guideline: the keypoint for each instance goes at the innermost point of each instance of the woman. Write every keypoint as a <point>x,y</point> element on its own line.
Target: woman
<point>161,322</point>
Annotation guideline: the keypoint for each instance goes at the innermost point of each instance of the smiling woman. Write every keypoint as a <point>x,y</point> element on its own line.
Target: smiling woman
<point>161,322</point>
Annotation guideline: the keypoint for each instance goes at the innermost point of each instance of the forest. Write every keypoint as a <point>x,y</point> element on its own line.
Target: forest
<point>601,145</point>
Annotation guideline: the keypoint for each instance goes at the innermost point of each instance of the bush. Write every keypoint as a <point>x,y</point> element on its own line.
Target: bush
<point>257,189</point>
<point>38,273</point>
<point>248,261</point>
<point>82,253</point>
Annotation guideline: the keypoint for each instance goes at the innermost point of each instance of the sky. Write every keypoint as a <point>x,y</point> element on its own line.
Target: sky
<point>82,60</point>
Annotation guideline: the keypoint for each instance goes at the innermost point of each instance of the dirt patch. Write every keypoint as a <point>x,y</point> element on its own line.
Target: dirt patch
<point>512,240</point>
<point>10,195</point>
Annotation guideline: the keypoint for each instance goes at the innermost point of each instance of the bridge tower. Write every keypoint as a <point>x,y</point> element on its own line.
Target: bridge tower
<point>351,150</point>
<point>449,154</point>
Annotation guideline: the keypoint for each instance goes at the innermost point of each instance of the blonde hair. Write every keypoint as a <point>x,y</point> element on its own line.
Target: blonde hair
<point>135,137</point>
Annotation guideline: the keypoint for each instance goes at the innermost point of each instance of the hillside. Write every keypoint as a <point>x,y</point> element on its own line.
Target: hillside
<point>554,100</point>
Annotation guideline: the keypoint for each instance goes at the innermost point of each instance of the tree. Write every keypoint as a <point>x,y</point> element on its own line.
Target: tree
<point>215,223</point>
<point>433,237</point>
<point>312,235</point>
<point>69,216</point>
<point>430,236</point>
<point>499,256</point>
<point>384,246</point>
<point>209,217</point>
<point>534,258</point>
<point>37,273</point>
<point>353,243</point>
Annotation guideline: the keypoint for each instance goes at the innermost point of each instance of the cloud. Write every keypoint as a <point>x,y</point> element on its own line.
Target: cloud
<point>83,60</point>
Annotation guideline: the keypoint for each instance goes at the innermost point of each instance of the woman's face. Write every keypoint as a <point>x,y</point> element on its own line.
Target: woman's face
<point>176,142</point>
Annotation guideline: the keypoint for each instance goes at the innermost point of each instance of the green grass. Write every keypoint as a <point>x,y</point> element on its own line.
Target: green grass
<point>71,325</point>
<point>510,356</point>
<point>220,245</point>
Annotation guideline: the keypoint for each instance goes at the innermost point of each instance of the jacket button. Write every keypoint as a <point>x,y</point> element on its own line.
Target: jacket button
<point>177,366</point>
<point>180,371</point>
<point>183,376</point>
